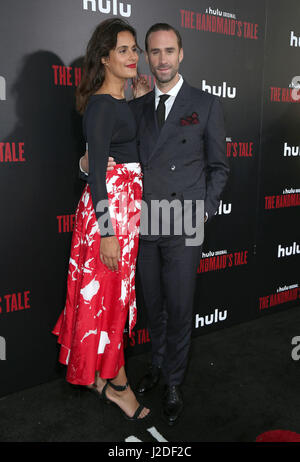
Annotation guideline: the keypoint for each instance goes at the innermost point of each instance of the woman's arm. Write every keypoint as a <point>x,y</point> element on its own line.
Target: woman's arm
<point>99,123</point>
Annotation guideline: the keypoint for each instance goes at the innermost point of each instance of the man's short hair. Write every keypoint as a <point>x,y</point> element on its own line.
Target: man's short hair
<point>163,26</point>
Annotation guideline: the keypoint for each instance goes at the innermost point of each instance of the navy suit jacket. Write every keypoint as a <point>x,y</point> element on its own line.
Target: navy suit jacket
<point>183,161</point>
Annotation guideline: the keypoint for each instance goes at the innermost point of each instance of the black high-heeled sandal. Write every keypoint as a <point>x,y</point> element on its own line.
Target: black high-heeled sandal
<point>123,388</point>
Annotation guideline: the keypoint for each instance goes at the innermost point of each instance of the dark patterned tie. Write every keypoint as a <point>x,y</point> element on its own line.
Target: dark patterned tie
<point>161,110</point>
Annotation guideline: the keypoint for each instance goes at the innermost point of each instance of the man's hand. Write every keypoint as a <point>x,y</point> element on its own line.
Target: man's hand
<point>110,164</point>
<point>110,252</point>
<point>84,163</point>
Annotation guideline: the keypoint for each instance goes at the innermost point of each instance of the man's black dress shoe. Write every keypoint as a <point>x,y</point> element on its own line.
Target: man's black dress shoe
<point>172,404</point>
<point>149,380</point>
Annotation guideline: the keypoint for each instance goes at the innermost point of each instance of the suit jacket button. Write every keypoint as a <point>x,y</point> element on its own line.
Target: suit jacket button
<point>173,194</point>
<point>183,141</point>
<point>173,168</point>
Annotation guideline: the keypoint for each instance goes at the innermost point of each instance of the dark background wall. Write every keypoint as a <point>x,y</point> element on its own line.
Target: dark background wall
<point>248,53</point>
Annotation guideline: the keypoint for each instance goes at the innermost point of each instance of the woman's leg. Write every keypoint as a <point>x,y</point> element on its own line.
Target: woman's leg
<point>126,399</point>
<point>99,383</point>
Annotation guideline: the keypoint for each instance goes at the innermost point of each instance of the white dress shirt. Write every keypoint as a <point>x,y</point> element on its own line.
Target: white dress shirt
<point>173,93</point>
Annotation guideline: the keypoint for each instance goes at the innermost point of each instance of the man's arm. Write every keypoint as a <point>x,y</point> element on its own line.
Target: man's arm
<point>217,166</point>
<point>84,165</point>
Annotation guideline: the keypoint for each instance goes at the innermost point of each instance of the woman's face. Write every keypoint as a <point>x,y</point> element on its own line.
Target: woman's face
<point>122,61</point>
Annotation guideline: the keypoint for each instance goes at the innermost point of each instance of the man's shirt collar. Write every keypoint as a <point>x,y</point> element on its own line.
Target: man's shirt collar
<point>174,90</point>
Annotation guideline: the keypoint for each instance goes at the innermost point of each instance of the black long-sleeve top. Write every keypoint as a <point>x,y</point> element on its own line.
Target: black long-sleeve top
<point>110,130</point>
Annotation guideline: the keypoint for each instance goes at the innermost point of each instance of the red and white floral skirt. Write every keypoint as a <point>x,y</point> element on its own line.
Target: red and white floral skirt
<point>90,328</point>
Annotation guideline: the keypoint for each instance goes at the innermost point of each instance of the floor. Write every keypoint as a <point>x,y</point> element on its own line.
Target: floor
<point>241,381</point>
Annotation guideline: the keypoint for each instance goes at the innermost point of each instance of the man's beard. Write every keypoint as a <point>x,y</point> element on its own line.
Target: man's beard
<point>167,78</point>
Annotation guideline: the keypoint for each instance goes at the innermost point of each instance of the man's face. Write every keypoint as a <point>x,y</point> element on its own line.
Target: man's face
<point>164,55</point>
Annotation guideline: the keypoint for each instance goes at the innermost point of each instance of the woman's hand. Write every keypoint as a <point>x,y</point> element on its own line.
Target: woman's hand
<point>140,87</point>
<point>110,252</point>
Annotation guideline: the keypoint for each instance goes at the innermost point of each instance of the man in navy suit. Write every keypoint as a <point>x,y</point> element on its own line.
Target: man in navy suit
<point>181,139</point>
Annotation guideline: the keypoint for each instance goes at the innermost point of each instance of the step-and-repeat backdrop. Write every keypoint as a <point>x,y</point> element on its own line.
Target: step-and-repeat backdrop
<point>248,54</point>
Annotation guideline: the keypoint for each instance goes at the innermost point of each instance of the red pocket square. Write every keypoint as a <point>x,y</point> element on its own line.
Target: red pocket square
<point>190,120</point>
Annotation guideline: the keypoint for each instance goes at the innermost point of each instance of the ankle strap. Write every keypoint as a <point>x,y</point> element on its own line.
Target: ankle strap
<point>117,387</point>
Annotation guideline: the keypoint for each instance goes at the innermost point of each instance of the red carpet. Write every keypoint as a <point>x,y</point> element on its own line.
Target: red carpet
<point>278,436</point>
